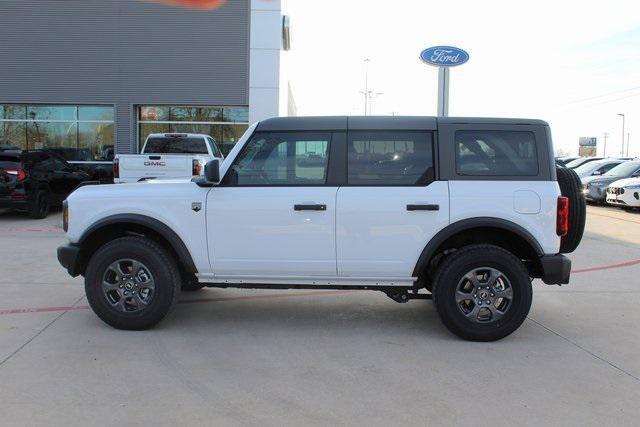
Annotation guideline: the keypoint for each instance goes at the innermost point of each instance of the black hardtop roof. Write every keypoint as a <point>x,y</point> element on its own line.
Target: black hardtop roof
<point>380,122</point>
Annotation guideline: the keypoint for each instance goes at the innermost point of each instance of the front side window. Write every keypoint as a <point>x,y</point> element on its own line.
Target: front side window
<point>287,158</point>
<point>496,153</point>
<point>390,158</point>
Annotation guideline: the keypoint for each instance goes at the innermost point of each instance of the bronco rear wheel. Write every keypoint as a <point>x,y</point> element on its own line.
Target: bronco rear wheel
<point>132,283</point>
<point>482,292</point>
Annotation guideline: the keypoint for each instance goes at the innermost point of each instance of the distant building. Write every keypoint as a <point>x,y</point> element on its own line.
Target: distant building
<point>93,77</point>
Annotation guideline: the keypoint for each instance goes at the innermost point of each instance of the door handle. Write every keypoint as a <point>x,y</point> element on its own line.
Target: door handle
<point>423,207</point>
<point>309,207</point>
<point>154,157</point>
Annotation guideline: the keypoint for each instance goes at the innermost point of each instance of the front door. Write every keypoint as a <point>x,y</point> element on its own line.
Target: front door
<point>391,206</point>
<point>273,215</point>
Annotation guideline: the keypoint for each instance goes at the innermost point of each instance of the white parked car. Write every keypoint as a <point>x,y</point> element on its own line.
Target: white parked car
<point>465,211</point>
<point>165,156</point>
<point>624,193</point>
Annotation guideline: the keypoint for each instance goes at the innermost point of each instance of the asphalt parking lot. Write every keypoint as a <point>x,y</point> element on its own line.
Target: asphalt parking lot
<point>244,357</point>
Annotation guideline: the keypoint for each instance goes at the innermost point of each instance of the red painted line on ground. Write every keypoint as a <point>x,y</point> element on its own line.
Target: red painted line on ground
<point>272,296</point>
<point>607,267</point>
<point>614,217</point>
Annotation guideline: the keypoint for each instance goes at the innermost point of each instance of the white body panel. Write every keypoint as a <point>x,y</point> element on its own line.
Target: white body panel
<point>255,231</point>
<point>167,201</point>
<point>511,201</point>
<point>377,236</point>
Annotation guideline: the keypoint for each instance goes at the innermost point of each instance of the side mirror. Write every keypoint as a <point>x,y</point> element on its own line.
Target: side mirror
<point>212,171</point>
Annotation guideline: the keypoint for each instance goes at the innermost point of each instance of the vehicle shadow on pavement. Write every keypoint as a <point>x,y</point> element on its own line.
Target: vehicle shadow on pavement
<point>341,314</point>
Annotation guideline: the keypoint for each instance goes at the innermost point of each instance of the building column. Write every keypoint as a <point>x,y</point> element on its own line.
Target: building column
<point>265,42</point>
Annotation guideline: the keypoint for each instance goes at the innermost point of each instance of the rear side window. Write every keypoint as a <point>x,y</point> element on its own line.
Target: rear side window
<point>390,158</point>
<point>167,145</point>
<point>496,153</point>
<point>285,159</point>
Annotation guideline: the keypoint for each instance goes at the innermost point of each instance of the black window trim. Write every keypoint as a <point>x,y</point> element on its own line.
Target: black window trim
<point>432,133</point>
<point>327,181</point>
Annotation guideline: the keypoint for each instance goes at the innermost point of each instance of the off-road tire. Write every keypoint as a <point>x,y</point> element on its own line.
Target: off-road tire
<point>456,266</point>
<point>162,267</point>
<point>39,206</point>
<point>571,187</point>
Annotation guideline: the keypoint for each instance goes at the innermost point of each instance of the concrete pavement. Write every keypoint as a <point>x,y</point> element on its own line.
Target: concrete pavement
<point>237,357</point>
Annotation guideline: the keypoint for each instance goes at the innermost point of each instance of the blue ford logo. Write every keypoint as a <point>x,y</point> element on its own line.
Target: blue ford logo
<point>444,56</point>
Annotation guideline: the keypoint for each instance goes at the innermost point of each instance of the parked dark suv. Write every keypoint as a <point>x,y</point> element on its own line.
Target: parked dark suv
<point>33,181</point>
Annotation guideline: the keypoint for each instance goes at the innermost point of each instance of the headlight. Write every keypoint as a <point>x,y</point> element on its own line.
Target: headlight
<point>632,187</point>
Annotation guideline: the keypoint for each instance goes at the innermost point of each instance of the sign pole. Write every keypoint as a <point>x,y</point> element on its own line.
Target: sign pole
<point>443,91</point>
<point>443,57</point>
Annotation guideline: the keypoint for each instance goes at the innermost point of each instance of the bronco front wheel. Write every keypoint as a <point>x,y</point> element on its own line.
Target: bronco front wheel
<point>132,283</point>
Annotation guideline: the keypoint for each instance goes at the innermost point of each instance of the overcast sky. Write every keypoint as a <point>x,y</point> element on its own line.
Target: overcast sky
<point>574,64</point>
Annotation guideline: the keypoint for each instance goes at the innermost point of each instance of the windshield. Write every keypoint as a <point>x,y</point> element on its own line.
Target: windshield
<point>579,161</point>
<point>588,168</point>
<point>173,145</point>
<point>574,163</point>
<point>624,169</point>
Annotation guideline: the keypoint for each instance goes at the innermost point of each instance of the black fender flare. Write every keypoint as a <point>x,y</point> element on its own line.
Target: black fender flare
<point>158,226</point>
<point>467,224</point>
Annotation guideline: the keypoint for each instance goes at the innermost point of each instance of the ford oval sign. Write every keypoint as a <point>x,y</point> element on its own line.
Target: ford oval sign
<point>444,56</point>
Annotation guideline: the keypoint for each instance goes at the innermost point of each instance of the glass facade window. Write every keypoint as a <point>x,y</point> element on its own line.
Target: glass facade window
<point>77,132</point>
<point>224,124</point>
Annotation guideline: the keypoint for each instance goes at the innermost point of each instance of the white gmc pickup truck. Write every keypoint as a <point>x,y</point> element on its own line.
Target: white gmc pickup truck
<point>464,211</point>
<point>166,155</point>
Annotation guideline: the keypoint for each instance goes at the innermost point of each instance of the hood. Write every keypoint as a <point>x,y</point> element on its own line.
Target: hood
<point>626,182</point>
<point>138,191</point>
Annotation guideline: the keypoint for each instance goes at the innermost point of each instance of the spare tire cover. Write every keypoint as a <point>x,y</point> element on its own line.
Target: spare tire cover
<point>571,187</point>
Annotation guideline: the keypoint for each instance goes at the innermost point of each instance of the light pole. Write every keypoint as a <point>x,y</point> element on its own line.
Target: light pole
<point>604,154</point>
<point>622,149</point>
<point>373,95</point>
<point>628,133</point>
<point>366,85</point>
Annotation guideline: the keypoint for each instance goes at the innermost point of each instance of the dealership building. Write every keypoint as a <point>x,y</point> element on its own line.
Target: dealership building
<point>88,78</point>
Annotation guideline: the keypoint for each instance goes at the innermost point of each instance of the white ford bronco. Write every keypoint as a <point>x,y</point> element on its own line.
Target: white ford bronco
<point>464,211</point>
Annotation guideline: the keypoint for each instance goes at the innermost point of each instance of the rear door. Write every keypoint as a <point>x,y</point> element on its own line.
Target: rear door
<point>391,205</point>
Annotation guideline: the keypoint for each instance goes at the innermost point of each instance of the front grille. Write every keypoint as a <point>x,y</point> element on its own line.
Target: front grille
<point>615,190</point>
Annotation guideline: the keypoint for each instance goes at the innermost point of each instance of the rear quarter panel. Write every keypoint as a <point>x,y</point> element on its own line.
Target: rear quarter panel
<point>529,204</point>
